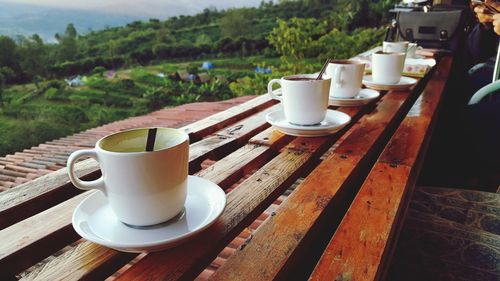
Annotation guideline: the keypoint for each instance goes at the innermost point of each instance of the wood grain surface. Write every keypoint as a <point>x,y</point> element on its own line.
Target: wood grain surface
<point>361,246</point>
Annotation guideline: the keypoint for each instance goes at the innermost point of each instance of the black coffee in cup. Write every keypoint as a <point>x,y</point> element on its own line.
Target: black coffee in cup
<point>299,78</point>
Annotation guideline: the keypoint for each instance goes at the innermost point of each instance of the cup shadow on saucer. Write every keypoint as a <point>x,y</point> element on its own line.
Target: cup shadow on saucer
<point>177,218</point>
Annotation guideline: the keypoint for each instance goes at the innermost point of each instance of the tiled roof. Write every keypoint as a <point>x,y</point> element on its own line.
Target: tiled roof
<point>29,164</point>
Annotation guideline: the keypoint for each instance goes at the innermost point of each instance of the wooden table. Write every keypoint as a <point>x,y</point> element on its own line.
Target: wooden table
<point>340,223</point>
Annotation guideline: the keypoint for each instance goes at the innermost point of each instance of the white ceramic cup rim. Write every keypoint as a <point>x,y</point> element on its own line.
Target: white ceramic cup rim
<point>183,137</point>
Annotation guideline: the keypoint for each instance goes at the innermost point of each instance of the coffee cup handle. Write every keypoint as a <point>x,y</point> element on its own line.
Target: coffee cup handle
<point>337,76</point>
<point>270,89</point>
<point>85,185</point>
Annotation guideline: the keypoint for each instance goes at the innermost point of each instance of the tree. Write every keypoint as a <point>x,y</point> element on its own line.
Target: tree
<point>6,74</point>
<point>9,57</point>
<point>33,56</point>
<point>365,13</point>
<point>234,24</point>
<point>68,47</point>
<point>164,35</point>
<point>2,83</point>
<point>7,51</point>
<point>293,39</point>
<point>207,15</point>
<point>203,39</point>
<point>161,50</point>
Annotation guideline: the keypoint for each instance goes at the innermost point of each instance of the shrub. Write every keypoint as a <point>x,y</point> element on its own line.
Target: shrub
<point>63,114</point>
<point>92,96</point>
<point>98,70</point>
<point>142,76</point>
<point>97,82</point>
<point>77,99</point>
<point>127,83</point>
<point>255,85</point>
<point>15,135</point>
<point>215,90</point>
<point>100,115</point>
<point>341,45</point>
<point>55,94</point>
<point>55,84</point>
<point>22,98</point>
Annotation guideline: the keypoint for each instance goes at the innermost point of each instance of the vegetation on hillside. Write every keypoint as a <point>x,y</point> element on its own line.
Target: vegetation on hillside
<point>124,69</point>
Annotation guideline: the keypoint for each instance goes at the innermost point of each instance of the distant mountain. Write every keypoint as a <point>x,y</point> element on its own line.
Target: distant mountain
<point>26,19</point>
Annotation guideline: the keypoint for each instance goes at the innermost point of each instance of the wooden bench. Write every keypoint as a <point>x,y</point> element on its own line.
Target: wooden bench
<point>340,222</point>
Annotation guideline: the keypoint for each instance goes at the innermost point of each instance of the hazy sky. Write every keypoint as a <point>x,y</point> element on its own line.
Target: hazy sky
<point>156,8</point>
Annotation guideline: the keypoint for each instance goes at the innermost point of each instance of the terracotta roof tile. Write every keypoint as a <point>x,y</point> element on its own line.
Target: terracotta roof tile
<point>205,275</point>
<point>31,165</point>
<point>227,252</point>
<point>218,262</point>
<point>11,173</point>
<point>5,178</point>
<point>20,169</point>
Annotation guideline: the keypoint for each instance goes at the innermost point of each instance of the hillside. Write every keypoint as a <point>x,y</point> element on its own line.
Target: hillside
<point>146,65</point>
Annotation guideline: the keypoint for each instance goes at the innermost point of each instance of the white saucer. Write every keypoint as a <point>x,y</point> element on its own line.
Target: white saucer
<point>420,61</point>
<point>417,57</point>
<point>364,96</point>
<point>94,220</point>
<point>334,121</point>
<point>403,84</point>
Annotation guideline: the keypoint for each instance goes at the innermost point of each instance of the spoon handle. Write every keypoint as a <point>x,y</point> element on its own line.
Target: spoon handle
<point>320,75</point>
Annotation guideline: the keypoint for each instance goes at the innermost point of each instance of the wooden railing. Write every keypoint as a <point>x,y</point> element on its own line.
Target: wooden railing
<point>342,221</point>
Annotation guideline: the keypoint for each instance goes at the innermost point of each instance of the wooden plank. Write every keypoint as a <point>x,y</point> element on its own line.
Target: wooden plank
<point>213,123</point>
<point>18,203</point>
<point>26,242</point>
<point>269,135</point>
<point>275,244</point>
<point>236,165</point>
<point>227,140</point>
<point>361,247</point>
<point>424,114</point>
<point>106,259</point>
<point>352,253</point>
<point>35,196</point>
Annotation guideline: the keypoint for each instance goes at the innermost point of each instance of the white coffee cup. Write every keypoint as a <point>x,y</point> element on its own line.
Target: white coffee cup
<point>304,99</point>
<point>395,47</point>
<point>347,76</point>
<point>142,187</point>
<point>387,68</point>
<point>412,50</point>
